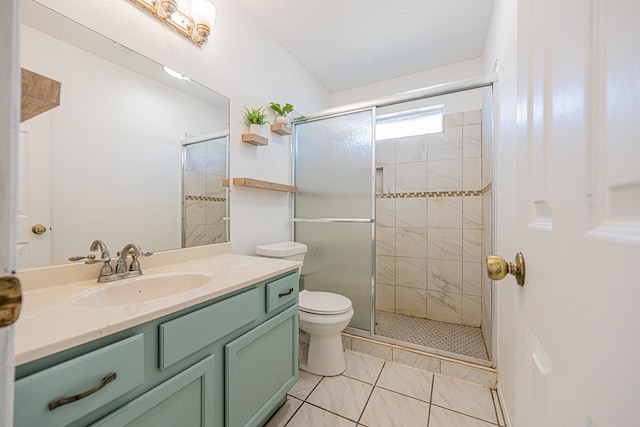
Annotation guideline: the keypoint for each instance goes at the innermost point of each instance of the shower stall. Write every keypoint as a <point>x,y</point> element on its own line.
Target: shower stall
<point>394,203</point>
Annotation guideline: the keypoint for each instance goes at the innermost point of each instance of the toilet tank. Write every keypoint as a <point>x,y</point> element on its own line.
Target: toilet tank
<point>284,250</point>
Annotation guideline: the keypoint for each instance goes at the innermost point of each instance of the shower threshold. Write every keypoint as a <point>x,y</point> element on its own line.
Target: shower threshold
<point>448,337</point>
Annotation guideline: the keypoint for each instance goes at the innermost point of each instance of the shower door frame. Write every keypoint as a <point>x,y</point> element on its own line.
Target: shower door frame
<point>484,81</point>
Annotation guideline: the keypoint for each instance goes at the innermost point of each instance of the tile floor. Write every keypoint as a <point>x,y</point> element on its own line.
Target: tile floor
<point>374,392</point>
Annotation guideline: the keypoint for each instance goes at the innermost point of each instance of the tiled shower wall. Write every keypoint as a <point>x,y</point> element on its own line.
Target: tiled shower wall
<point>429,223</point>
<point>204,195</point>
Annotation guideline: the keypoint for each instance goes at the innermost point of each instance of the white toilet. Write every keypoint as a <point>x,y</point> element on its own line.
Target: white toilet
<point>323,316</point>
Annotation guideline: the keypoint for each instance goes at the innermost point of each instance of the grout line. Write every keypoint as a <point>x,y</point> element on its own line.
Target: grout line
<point>433,382</point>
<point>466,415</point>
<point>495,409</point>
<point>331,412</point>
<point>294,412</point>
<point>371,394</point>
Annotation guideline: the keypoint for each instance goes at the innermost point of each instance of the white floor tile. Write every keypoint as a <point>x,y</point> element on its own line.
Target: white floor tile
<point>405,380</point>
<point>305,385</point>
<point>311,416</point>
<point>285,412</point>
<point>387,409</point>
<point>441,417</point>
<point>362,366</point>
<point>341,395</point>
<point>464,397</point>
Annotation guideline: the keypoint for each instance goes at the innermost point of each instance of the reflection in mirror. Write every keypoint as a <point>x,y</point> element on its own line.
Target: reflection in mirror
<point>107,162</point>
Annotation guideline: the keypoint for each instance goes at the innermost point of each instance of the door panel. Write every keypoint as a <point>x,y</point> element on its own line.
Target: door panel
<point>578,213</point>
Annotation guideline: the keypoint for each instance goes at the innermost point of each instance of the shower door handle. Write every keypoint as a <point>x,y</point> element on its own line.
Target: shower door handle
<point>336,220</point>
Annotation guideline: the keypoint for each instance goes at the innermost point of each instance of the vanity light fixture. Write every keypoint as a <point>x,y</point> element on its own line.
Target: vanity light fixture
<point>191,18</point>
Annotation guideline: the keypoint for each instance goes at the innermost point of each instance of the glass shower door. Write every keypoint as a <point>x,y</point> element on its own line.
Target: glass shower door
<point>334,207</point>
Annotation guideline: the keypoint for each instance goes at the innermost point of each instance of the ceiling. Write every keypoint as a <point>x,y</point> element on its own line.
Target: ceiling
<point>351,43</point>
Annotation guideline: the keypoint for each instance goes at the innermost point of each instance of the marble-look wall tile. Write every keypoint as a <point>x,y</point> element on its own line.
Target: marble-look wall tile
<point>386,297</point>
<point>195,158</point>
<point>485,377</point>
<point>386,270</point>
<point>376,350</point>
<point>216,162</point>
<point>215,234</point>
<point>385,212</point>
<point>386,152</point>
<point>471,306</point>
<point>386,241</point>
<point>444,175</point>
<point>452,120</point>
<point>473,117</point>
<point>411,242</point>
<point>411,301</point>
<point>411,177</point>
<point>411,149</point>
<point>406,380</point>
<point>194,183</point>
<point>445,244</point>
<point>464,397</point>
<point>446,145</point>
<point>487,211</point>
<point>420,361</point>
<point>195,235</point>
<point>445,212</point>
<point>214,212</point>
<point>472,212</point>
<point>471,245</point>
<point>389,179</point>
<point>471,278</point>
<point>411,212</point>
<point>194,212</point>
<point>445,275</point>
<point>471,174</point>
<point>471,141</point>
<point>444,306</point>
<point>411,272</point>
<point>213,185</point>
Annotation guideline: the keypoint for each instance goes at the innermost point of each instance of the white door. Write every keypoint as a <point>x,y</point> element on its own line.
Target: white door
<point>33,193</point>
<point>577,318</point>
<point>9,106</point>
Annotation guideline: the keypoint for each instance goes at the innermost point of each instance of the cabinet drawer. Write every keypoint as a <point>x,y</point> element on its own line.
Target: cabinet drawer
<point>185,335</point>
<point>282,291</point>
<point>35,393</point>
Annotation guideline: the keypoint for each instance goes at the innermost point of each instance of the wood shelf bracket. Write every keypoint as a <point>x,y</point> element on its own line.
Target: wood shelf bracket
<point>264,185</point>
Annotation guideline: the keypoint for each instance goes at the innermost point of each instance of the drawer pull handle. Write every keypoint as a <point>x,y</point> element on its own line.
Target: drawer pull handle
<point>284,294</point>
<point>65,400</point>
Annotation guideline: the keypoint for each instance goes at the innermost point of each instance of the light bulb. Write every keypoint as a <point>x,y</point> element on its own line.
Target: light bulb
<point>203,12</point>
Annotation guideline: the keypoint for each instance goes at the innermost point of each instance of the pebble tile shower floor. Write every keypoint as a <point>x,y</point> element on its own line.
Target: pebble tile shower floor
<point>459,339</point>
<point>373,392</point>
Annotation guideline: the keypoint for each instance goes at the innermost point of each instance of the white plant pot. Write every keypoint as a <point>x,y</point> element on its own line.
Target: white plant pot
<point>284,120</point>
<point>262,130</point>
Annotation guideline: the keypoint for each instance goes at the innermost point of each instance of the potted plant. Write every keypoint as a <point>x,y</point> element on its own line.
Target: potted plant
<point>282,112</point>
<point>257,119</point>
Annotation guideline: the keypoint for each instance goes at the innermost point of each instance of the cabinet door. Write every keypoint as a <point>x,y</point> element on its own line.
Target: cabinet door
<point>183,400</point>
<point>261,366</point>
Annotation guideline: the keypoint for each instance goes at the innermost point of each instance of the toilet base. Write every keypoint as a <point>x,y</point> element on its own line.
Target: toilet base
<point>324,356</point>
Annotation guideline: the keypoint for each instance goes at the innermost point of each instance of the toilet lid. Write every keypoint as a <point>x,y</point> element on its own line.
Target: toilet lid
<point>323,302</point>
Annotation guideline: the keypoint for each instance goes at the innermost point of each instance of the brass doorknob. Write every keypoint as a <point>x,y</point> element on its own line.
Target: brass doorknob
<point>39,229</point>
<point>498,268</point>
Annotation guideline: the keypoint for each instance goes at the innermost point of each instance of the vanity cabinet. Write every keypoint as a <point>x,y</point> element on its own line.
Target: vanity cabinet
<point>226,362</point>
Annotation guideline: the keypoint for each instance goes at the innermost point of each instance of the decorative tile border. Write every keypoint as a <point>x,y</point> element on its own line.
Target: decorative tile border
<point>205,198</point>
<point>429,194</point>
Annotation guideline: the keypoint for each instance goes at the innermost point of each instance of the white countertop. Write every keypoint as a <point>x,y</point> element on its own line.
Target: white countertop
<point>52,319</point>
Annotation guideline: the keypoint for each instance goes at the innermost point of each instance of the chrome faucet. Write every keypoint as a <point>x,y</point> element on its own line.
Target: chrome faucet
<point>123,270</point>
<point>134,268</point>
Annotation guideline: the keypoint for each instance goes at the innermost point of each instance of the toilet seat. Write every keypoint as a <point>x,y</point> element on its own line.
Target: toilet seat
<point>323,303</point>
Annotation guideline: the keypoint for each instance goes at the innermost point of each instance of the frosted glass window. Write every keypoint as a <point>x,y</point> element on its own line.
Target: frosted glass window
<point>409,123</point>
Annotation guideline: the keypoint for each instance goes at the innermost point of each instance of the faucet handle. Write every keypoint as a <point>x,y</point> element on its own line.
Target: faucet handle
<point>80,257</point>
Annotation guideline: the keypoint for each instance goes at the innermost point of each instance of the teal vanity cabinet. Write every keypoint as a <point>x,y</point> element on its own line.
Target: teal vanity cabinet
<point>226,362</point>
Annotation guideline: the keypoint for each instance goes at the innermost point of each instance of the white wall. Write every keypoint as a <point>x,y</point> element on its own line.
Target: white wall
<point>240,61</point>
<point>446,74</point>
<point>501,46</point>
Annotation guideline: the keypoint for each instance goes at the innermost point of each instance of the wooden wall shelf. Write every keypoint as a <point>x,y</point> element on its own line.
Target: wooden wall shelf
<point>254,139</point>
<point>265,185</point>
<point>281,129</point>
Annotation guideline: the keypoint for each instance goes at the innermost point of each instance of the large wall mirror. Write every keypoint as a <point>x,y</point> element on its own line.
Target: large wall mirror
<point>131,154</point>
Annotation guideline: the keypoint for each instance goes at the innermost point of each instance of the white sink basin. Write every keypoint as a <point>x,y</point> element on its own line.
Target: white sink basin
<point>141,289</point>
